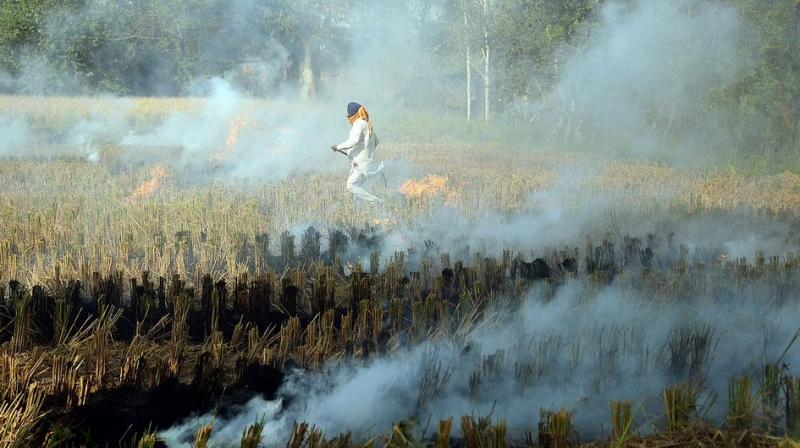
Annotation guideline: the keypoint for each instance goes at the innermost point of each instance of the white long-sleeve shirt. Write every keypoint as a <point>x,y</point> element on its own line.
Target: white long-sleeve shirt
<point>360,147</point>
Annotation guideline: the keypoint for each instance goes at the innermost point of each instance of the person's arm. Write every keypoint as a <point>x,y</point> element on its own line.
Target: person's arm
<point>353,139</point>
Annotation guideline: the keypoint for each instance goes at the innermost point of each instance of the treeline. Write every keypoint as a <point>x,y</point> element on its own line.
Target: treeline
<point>493,59</point>
<point>140,47</point>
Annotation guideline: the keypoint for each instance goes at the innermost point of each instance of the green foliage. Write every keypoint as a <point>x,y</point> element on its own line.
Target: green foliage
<point>160,48</point>
<point>153,48</point>
<point>530,33</point>
<point>23,26</point>
<point>765,106</point>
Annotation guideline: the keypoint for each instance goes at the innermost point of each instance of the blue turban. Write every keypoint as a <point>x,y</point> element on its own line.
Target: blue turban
<point>352,109</point>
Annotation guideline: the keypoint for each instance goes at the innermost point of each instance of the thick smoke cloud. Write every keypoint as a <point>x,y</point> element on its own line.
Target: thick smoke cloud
<point>578,349</point>
<point>251,141</point>
<point>16,134</point>
<point>735,235</point>
<point>647,72</point>
<point>271,142</point>
<point>569,212</point>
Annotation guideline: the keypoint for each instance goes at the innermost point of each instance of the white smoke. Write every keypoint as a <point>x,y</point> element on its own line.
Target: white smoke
<point>581,347</point>
<point>198,134</point>
<point>648,69</point>
<point>16,135</point>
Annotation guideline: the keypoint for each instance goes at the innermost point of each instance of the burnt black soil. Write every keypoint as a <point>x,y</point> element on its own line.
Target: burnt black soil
<point>118,417</point>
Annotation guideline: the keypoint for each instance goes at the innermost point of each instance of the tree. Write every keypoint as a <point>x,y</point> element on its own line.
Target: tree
<point>314,29</point>
<point>766,102</point>
<point>476,17</point>
<point>468,56</point>
<point>486,53</point>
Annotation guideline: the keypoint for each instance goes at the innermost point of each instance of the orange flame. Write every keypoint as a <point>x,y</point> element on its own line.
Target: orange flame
<point>151,185</point>
<point>233,137</point>
<point>430,186</point>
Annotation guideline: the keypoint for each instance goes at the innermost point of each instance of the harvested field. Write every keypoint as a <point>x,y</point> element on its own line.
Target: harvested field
<point>549,299</point>
<point>155,292</point>
<point>429,223</point>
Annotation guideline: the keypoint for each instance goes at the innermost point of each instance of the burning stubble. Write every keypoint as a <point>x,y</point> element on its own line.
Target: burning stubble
<point>577,348</point>
<point>150,186</point>
<point>532,287</point>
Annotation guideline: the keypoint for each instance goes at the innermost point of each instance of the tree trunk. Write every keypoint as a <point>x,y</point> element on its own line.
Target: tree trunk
<point>469,84</point>
<point>486,84</point>
<point>468,53</point>
<point>486,60</point>
<point>307,82</point>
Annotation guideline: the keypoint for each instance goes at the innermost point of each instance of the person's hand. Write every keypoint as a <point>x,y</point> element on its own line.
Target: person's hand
<point>334,148</point>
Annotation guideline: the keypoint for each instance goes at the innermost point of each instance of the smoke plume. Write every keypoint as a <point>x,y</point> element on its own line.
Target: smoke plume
<point>578,349</point>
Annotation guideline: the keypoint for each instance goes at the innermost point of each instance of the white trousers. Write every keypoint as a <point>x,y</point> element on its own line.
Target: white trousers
<point>355,184</point>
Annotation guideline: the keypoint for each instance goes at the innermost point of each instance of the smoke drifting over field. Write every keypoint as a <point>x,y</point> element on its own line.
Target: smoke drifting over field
<point>291,135</point>
<point>578,349</point>
<point>347,49</point>
<point>733,236</point>
<point>638,79</point>
<point>645,73</point>
<point>249,141</point>
<point>16,134</point>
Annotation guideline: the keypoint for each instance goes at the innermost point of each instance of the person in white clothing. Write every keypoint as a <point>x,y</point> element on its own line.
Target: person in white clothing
<point>360,149</point>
